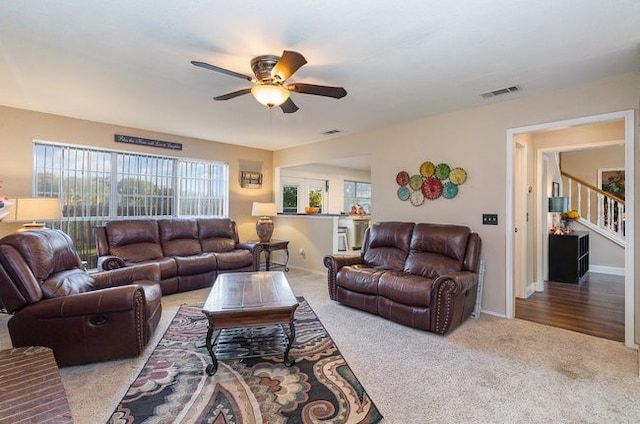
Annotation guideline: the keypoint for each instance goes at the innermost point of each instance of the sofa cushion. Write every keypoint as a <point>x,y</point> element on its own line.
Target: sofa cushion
<point>388,245</point>
<point>236,259</point>
<point>437,249</point>
<point>359,278</point>
<point>135,240</point>
<point>196,264</point>
<point>216,235</point>
<point>408,289</point>
<point>179,237</point>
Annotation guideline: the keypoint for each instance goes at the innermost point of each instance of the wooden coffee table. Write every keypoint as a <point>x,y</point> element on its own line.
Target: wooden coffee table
<point>250,299</point>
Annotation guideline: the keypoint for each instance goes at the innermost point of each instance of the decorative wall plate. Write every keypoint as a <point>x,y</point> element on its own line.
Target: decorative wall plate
<point>416,198</point>
<point>402,178</point>
<point>404,193</point>
<point>432,188</point>
<point>442,171</point>
<point>426,169</point>
<point>415,182</point>
<point>458,176</point>
<point>449,190</point>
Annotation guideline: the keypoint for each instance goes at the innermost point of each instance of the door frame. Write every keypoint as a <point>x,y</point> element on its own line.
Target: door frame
<point>628,117</point>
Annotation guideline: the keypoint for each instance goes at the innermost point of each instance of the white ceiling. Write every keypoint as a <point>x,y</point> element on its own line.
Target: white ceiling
<point>127,62</point>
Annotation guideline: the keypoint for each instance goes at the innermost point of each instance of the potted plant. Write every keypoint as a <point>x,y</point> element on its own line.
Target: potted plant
<point>315,201</point>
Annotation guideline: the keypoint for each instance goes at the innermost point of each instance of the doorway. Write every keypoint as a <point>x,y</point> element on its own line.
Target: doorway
<point>517,256</point>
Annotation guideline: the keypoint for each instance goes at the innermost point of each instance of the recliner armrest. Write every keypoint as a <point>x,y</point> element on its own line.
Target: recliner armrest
<point>333,264</point>
<point>462,281</point>
<point>106,263</point>
<point>115,299</point>
<point>255,249</point>
<point>128,275</point>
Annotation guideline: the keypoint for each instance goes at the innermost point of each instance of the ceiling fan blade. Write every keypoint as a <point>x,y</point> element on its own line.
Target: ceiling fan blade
<point>288,64</point>
<point>289,106</point>
<point>221,70</point>
<point>318,90</point>
<point>233,95</point>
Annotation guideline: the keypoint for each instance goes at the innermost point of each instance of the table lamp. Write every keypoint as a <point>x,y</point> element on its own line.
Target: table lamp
<point>264,226</point>
<point>557,205</point>
<point>36,209</point>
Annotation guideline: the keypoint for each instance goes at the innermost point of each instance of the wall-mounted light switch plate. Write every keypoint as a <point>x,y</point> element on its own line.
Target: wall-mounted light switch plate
<point>489,219</point>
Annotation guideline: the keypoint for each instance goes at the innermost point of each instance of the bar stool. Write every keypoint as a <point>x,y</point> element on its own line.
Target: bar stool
<point>343,243</point>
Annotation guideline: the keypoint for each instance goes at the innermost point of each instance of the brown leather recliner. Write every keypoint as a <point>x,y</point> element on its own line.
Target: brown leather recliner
<point>82,317</point>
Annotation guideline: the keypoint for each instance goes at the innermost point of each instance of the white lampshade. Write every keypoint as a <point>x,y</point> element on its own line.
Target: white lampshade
<point>270,95</point>
<point>263,209</point>
<point>32,209</point>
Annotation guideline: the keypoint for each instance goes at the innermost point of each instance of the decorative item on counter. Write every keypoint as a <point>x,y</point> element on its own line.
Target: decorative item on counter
<point>433,182</point>
<point>357,210</point>
<point>311,209</point>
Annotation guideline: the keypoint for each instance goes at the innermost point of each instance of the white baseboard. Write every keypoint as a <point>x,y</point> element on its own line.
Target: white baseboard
<point>601,269</point>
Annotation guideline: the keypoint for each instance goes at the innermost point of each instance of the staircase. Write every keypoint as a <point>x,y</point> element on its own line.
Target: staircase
<point>599,211</point>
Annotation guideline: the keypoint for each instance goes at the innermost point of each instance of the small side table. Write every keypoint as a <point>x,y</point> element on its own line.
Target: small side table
<point>272,246</point>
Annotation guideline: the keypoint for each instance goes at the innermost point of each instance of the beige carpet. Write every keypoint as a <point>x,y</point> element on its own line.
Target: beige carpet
<point>489,370</point>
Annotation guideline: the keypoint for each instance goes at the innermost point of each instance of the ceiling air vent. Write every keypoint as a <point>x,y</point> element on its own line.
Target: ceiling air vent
<point>331,132</point>
<point>500,92</point>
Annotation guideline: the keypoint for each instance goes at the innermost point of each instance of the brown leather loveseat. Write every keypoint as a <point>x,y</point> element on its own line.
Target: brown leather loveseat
<point>421,275</point>
<point>82,317</point>
<point>191,252</point>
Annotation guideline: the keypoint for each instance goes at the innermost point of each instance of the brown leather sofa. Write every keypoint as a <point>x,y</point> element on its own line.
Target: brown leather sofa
<point>421,275</point>
<point>82,317</point>
<point>191,252</point>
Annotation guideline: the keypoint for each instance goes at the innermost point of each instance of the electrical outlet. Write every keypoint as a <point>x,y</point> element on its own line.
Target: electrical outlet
<point>489,219</point>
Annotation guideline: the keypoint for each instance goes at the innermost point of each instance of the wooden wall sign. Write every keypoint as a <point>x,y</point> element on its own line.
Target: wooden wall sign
<point>147,142</point>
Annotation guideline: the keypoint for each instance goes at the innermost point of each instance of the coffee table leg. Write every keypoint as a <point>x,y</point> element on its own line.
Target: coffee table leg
<point>213,367</point>
<point>288,361</point>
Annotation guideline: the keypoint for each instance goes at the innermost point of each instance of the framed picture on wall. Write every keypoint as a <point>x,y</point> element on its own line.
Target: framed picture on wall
<point>555,189</point>
<point>612,180</point>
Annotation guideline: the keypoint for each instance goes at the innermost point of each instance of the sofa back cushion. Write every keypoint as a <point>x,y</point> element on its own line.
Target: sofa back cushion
<point>134,240</point>
<point>179,237</point>
<point>437,249</point>
<point>217,234</point>
<point>387,244</point>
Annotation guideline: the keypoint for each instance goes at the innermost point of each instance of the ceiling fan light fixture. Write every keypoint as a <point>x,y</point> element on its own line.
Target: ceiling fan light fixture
<point>270,95</point>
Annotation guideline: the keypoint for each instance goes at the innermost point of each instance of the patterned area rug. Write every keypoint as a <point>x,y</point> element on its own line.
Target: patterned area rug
<point>173,386</point>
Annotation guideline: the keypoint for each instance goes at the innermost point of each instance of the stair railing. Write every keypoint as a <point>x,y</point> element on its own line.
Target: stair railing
<point>599,210</point>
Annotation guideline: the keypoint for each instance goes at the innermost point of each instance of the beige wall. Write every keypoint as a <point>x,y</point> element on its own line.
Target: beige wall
<point>20,127</point>
<point>474,139</point>
<point>584,164</point>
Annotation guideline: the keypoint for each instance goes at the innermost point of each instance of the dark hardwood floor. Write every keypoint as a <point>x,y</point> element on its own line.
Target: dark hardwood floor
<point>594,307</point>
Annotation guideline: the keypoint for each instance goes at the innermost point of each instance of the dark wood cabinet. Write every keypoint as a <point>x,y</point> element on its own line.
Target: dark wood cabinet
<point>568,257</point>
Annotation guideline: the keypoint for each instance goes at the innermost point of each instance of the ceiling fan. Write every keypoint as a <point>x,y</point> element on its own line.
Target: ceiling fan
<point>271,72</point>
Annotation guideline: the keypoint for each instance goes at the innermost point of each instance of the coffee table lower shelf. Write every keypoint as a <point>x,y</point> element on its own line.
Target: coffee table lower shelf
<point>249,342</point>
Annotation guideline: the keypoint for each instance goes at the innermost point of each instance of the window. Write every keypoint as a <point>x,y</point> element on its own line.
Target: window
<point>290,198</point>
<point>297,193</point>
<point>98,185</point>
<point>357,192</point>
